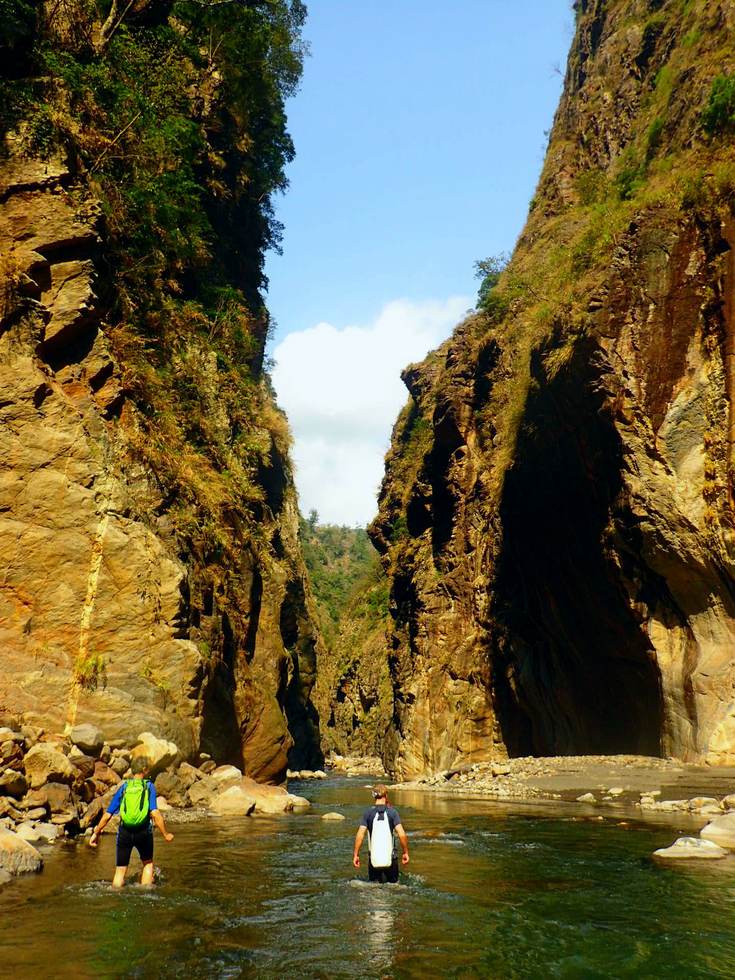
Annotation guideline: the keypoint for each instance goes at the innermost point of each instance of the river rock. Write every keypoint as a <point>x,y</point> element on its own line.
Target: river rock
<point>273,799</point>
<point>84,764</point>
<point>729,801</point>
<point>13,783</point>
<point>96,808</point>
<point>17,856</point>
<point>615,791</point>
<point>172,787</point>
<point>204,790</point>
<point>586,798</point>
<point>104,777</point>
<point>11,752</point>
<point>40,833</point>
<point>8,809</point>
<point>188,774</point>
<point>233,801</point>
<point>159,752</point>
<point>721,830</point>
<point>45,764</point>
<point>58,798</point>
<point>88,738</point>
<point>703,802</point>
<point>500,769</point>
<point>691,847</point>
<point>333,816</point>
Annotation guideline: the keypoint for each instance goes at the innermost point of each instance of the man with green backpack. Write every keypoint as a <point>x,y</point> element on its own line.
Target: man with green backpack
<point>136,802</point>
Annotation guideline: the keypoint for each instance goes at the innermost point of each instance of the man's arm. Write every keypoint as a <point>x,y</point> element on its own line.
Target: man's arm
<point>359,838</point>
<point>106,818</point>
<point>403,838</point>
<point>109,813</point>
<point>158,821</point>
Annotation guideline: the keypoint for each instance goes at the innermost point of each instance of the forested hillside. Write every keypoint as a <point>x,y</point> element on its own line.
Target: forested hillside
<point>353,690</point>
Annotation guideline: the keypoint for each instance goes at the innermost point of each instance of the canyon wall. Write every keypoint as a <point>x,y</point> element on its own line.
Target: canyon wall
<point>151,574</point>
<point>557,513</point>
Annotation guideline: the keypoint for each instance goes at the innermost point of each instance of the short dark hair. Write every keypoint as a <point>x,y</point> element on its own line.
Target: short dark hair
<point>139,764</point>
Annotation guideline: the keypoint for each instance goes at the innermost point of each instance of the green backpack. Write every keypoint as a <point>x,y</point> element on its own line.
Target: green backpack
<point>135,805</point>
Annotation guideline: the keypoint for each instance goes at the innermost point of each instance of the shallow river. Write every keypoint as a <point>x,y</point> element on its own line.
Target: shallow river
<point>487,894</point>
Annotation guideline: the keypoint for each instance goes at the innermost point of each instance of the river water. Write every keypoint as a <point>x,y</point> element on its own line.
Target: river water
<point>488,893</point>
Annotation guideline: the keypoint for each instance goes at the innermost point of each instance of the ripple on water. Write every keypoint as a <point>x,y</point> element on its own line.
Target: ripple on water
<point>507,897</point>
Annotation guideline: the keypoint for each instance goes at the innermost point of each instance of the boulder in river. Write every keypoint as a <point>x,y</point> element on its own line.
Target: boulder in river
<point>45,763</point>
<point>691,847</point>
<point>721,830</point>
<point>586,798</point>
<point>88,738</point>
<point>729,801</point>
<point>233,801</point>
<point>267,799</point>
<point>17,856</point>
<point>333,815</point>
<point>159,752</point>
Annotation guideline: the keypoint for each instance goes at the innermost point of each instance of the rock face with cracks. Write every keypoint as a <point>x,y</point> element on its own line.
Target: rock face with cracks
<point>151,579</point>
<point>557,513</point>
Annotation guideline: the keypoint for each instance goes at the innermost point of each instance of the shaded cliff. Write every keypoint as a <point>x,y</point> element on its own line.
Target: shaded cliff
<point>557,513</point>
<point>353,691</point>
<point>152,577</point>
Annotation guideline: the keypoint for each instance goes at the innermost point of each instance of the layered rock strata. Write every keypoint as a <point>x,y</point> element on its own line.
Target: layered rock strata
<point>557,513</point>
<point>151,575</point>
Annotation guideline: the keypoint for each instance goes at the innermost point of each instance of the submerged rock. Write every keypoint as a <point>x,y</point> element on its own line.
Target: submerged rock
<point>587,798</point>
<point>333,816</point>
<point>691,847</point>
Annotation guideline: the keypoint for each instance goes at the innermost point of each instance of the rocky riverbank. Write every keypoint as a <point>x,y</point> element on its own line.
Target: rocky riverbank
<point>58,786</point>
<point>647,785</point>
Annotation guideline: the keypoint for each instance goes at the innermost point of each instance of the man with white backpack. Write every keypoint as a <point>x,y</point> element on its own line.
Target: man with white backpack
<point>380,822</point>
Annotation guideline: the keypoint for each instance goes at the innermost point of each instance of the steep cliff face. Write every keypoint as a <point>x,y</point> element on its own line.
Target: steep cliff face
<point>151,575</point>
<point>557,513</point>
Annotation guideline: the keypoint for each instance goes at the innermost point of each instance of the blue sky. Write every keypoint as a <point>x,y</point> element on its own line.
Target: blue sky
<point>420,133</point>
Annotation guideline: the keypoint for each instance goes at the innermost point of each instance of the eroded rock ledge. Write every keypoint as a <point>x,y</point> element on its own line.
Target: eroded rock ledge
<point>107,613</point>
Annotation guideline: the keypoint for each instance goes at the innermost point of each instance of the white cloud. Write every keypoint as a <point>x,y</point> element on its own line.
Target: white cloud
<point>342,391</point>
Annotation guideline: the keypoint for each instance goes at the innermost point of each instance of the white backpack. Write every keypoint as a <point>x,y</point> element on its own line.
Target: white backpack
<point>381,841</point>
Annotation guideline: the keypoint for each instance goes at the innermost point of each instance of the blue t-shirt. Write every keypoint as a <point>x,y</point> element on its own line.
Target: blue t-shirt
<point>116,801</point>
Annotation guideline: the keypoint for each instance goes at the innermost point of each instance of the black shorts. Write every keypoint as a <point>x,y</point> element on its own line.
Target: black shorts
<point>141,840</point>
<point>384,875</point>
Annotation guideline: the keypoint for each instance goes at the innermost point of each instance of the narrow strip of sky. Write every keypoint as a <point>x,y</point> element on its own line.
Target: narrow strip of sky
<point>420,130</point>
<point>419,134</point>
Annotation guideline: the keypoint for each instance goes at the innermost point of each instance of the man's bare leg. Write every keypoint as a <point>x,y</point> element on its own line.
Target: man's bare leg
<point>119,880</point>
<point>146,877</point>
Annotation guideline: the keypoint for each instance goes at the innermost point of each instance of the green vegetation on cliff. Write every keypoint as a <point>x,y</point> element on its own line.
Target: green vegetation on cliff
<point>173,114</point>
<point>340,560</point>
<point>353,691</point>
<point>158,127</point>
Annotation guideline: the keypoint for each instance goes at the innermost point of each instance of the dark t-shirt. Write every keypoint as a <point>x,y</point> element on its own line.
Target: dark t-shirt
<point>370,814</point>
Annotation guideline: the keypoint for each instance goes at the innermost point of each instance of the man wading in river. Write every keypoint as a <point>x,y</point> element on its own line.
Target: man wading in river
<point>136,802</point>
<point>379,822</point>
